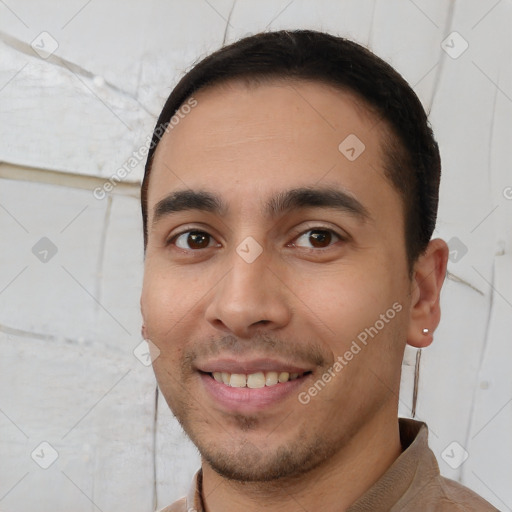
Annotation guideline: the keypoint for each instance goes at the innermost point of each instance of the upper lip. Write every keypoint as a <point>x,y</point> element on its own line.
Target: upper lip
<point>231,365</point>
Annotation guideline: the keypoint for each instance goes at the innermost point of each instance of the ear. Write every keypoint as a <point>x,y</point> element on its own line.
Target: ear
<point>428,277</point>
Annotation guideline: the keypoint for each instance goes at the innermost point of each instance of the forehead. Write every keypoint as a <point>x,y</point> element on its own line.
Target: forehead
<point>267,136</point>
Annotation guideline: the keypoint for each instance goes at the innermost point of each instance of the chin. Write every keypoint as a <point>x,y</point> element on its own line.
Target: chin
<point>249,463</point>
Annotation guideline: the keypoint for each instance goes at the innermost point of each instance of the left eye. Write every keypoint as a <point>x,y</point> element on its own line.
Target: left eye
<point>317,238</point>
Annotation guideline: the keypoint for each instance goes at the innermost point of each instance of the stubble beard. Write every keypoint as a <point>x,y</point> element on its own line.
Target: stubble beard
<point>243,459</point>
<point>248,455</point>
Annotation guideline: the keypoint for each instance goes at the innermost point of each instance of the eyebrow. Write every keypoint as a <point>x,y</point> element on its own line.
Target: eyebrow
<point>319,197</point>
<point>183,200</point>
<point>278,205</point>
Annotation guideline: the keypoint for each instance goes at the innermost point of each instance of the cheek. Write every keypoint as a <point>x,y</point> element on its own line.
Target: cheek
<point>344,299</point>
<point>163,304</point>
<point>162,310</point>
<point>345,306</point>
<point>157,304</point>
<point>171,301</point>
<point>168,294</point>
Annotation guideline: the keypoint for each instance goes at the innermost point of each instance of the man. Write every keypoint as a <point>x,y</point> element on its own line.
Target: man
<point>289,198</point>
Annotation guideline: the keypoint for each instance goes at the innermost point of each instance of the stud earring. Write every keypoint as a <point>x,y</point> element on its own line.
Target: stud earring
<point>425,331</point>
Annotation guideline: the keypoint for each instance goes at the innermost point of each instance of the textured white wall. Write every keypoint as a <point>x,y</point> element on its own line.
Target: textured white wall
<point>71,261</point>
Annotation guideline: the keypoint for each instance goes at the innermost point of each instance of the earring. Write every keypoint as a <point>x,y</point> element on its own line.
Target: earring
<point>425,331</point>
<point>416,383</point>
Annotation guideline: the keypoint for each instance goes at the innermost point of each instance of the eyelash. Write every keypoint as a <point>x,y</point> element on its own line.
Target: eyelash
<point>339,237</point>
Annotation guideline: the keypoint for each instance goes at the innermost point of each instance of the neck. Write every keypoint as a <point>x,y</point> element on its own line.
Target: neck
<point>332,486</point>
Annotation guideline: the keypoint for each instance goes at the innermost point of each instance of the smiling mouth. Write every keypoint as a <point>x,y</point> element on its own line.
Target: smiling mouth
<point>256,380</point>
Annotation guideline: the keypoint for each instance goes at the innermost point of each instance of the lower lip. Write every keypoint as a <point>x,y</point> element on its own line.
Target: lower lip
<point>247,400</point>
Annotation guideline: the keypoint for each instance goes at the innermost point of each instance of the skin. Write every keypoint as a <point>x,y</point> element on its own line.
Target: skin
<point>300,301</point>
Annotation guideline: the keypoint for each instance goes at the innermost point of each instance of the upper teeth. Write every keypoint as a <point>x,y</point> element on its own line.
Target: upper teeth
<point>253,380</point>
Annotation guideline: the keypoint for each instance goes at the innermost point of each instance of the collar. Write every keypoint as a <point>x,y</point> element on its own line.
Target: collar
<point>415,468</point>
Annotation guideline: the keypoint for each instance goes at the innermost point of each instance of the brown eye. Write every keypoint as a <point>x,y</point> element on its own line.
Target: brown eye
<point>320,238</point>
<point>193,240</point>
<point>317,238</point>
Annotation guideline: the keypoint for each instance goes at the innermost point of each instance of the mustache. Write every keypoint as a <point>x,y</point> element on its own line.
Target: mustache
<point>264,345</point>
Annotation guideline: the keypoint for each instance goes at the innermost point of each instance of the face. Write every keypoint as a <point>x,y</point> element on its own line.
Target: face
<point>276,283</point>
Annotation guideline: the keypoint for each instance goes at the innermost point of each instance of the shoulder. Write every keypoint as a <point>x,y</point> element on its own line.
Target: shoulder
<point>454,497</point>
<point>467,500</point>
<point>177,506</point>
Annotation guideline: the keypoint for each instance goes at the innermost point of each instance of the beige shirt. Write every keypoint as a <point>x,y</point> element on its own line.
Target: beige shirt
<point>411,484</point>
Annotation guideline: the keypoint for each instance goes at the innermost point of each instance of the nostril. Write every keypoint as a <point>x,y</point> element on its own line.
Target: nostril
<point>262,322</point>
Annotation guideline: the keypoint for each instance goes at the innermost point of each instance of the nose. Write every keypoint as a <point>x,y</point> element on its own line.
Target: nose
<point>250,297</point>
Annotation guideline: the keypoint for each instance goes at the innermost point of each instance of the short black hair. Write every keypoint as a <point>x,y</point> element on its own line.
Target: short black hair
<point>411,155</point>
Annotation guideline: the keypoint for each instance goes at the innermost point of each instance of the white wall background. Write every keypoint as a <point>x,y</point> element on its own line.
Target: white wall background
<point>69,318</point>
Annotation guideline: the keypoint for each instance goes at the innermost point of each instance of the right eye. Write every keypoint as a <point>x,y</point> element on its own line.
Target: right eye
<point>194,240</point>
